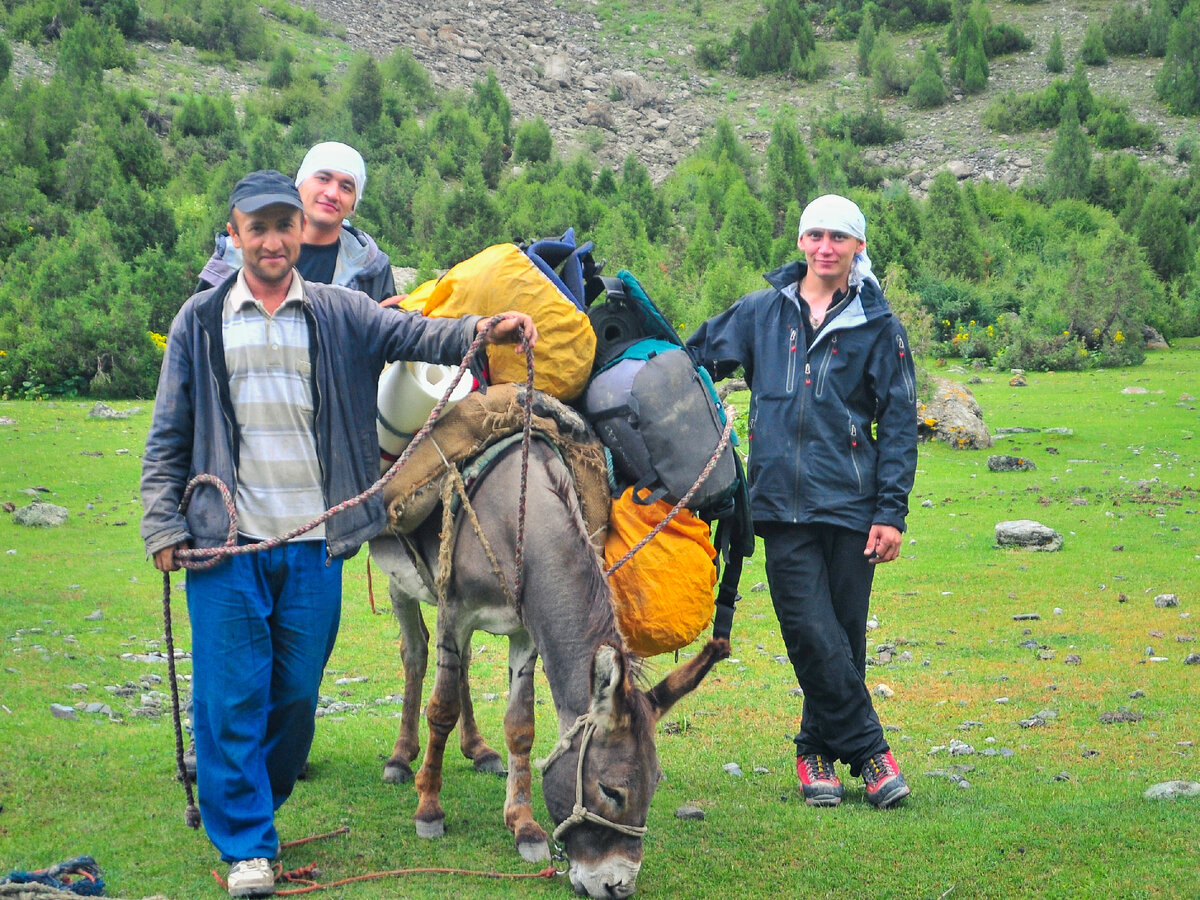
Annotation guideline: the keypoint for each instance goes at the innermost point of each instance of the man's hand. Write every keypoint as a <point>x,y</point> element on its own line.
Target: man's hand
<point>883,544</point>
<point>164,559</point>
<point>513,328</point>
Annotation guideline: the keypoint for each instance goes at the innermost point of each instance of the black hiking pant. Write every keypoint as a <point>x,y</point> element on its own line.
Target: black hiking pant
<point>821,587</point>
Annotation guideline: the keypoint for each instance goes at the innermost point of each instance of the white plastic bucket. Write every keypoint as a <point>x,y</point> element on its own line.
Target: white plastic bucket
<point>408,392</point>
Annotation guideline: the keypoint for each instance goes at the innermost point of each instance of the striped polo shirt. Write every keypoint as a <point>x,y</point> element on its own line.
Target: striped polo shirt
<point>279,484</point>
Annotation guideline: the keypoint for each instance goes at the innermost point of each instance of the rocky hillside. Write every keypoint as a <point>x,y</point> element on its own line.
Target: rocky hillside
<point>555,61</point>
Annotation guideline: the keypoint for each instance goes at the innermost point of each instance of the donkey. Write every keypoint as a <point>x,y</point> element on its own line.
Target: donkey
<point>600,776</point>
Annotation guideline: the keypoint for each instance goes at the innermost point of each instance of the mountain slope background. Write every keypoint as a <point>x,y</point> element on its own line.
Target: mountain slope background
<point>617,78</point>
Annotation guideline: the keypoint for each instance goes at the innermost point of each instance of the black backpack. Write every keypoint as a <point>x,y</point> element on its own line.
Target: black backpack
<point>661,419</point>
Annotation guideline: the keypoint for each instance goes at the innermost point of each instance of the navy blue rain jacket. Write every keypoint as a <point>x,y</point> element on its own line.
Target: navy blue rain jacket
<point>833,427</point>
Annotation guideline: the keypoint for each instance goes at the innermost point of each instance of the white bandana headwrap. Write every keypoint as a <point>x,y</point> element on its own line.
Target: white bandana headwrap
<point>333,156</point>
<point>833,212</point>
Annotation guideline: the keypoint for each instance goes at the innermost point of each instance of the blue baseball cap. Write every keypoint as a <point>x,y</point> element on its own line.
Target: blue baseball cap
<point>264,188</point>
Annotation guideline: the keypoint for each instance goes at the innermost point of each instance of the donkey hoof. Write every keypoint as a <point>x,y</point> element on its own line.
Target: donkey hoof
<point>536,851</point>
<point>397,773</point>
<point>490,764</point>
<point>434,828</point>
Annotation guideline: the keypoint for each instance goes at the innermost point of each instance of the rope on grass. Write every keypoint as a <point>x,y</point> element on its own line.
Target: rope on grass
<point>305,876</point>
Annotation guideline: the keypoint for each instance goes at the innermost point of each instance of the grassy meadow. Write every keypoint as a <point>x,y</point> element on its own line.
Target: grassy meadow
<point>1055,810</point>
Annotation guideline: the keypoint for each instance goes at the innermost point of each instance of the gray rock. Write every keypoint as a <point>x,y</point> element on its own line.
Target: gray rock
<point>1192,659</point>
<point>690,812</point>
<point>953,417</point>
<point>1028,535</point>
<point>733,769</point>
<point>1018,429</point>
<point>59,711</point>
<point>1026,617</point>
<point>41,515</point>
<point>1166,601</point>
<point>1169,790</point>
<point>104,411</point>
<point>1004,463</point>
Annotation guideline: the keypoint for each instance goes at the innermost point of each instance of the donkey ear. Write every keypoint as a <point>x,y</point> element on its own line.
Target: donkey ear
<point>608,686</point>
<point>685,679</point>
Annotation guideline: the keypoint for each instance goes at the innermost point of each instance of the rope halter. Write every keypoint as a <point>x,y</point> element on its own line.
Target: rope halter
<point>579,812</point>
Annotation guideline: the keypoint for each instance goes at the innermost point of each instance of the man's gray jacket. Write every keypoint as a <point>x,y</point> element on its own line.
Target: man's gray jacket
<point>194,430</point>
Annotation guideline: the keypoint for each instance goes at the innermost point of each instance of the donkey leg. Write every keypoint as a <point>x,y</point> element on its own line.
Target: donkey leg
<point>441,713</point>
<point>414,652</point>
<point>518,734</point>
<point>470,741</point>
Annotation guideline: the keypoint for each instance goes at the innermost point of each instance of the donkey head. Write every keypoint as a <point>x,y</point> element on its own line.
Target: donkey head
<point>599,781</point>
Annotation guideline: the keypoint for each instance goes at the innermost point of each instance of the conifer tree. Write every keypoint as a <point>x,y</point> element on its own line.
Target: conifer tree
<point>950,241</point>
<point>1054,57</point>
<point>1178,82</point>
<point>928,91</point>
<point>1069,165</point>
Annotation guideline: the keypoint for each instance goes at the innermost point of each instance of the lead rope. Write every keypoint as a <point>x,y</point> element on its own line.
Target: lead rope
<point>200,558</point>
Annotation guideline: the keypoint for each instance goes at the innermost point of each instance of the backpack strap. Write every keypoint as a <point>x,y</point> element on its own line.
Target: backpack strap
<point>734,542</point>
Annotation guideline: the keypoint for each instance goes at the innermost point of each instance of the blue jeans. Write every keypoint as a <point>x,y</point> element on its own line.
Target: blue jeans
<point>263,627</point>
<point>821,589</point>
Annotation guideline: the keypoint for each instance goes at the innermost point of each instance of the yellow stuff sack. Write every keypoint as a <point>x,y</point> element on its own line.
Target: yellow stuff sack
<point>502,278</point>
<point>663,596</point>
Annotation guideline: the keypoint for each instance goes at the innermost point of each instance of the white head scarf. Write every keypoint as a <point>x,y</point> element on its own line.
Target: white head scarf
<point>333,156</point>
<point>833,212</point>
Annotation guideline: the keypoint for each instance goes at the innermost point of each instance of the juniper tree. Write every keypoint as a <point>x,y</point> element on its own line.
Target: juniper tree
<point>1069,164</point>
<point>1054,57</point>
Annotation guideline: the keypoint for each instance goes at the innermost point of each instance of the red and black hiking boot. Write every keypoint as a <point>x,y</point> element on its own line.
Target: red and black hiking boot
<point>818,780</point>
<point>885,785</point>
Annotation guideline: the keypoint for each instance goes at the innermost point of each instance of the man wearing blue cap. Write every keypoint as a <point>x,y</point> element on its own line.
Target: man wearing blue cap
<point>332,251</point>
<point>268,383</point>
<point>833,455</point>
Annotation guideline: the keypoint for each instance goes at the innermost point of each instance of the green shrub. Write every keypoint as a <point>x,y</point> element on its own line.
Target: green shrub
<point>890,73</point>
<point>533,142</point>
<point>1093,53</point>
<point>928,90</point>
<point>1178,83</point>
<point>866,128</point>
<point>6,57</point>
<point>280,73</point>
<point>773,39</point>
<point>712,54</point>
<point>1055,61</point>
<point>1112,129</point>
<point>1125,30</point>
<point>1003,38</point>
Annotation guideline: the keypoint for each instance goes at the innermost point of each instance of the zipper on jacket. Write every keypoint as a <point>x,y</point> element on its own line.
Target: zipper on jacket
<point>854,455</point>
<point>908,382</point>
<point>317,405</point>
<point>790,380</point>
<point>825,363</point>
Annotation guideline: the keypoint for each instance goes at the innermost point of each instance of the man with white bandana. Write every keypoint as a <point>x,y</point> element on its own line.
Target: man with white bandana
<point>330,180</point>
<point>833,455</point>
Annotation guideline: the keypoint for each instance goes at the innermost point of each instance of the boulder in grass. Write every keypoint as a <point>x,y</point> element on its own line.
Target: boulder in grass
<point>41,515</point>
<point>1027,534</point>
<point>1004,463</point>
<point>953,417</point>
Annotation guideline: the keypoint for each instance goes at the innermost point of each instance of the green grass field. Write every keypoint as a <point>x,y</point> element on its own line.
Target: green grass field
<point>1049,811</point>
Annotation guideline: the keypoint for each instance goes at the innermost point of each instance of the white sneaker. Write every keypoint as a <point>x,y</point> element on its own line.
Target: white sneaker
<point>251,878</point>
